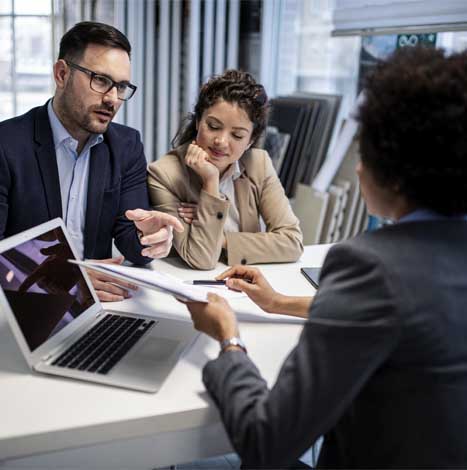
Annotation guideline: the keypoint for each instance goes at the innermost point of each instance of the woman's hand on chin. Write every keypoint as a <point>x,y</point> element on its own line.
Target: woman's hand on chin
<point>198,160</point>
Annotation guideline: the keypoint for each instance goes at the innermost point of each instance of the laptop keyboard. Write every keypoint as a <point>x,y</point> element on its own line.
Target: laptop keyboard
<point>104,344</point>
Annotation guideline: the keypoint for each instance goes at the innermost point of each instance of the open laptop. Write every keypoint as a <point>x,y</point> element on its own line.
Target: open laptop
<point>61,327</point>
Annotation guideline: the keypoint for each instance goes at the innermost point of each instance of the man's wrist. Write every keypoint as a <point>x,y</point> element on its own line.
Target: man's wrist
<point>231,348</point>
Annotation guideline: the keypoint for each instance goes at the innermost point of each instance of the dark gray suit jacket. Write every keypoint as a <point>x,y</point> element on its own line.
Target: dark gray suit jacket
<point>381,365</point>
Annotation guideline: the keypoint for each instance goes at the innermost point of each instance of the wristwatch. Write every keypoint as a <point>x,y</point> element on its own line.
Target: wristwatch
<point>234,341</point>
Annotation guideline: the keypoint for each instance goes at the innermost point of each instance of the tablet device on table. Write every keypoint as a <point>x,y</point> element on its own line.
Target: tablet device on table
<point>312,274</point>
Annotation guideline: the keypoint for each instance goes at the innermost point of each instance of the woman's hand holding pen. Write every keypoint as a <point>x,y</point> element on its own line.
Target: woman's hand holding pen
<point>252,282</point>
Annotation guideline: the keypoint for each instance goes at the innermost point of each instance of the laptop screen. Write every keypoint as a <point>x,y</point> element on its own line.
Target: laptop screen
<point>44,291</point>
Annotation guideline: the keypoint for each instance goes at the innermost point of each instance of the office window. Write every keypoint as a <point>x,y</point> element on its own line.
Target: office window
<point>326,64</point>
<point>311,60</point>
<point>25,55</point>
<point>453,42</point>
<point>6,95</point>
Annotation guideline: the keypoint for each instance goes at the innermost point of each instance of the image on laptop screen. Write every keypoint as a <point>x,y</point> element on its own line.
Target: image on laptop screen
<point>44,291</point>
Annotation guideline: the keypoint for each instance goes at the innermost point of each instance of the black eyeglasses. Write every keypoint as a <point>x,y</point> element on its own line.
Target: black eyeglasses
<point>103,84</point>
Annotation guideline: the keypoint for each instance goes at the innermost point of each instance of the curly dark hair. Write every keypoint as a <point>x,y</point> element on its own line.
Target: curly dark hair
<point>414,127</point>
<point>235,87</point>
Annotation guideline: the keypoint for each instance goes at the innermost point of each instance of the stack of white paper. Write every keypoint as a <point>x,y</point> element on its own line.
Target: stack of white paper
<point>150,279</point>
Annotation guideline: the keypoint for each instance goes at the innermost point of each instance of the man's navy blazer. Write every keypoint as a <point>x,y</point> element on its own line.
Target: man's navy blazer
<point>30,185</point>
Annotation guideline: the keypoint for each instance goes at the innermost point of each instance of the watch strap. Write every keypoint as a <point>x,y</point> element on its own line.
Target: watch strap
<point>234,341</point>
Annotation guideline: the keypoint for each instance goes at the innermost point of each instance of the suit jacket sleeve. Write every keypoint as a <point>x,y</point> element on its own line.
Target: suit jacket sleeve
<point>133,195</point>
<point>282,241</point>
<point>200,244</point>
<point>351,330</point>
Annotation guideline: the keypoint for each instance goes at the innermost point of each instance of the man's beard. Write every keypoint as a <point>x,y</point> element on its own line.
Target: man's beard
<point>90,125</point>
<point>82,117</point>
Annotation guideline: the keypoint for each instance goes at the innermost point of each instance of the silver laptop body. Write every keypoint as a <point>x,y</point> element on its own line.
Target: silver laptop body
<point>51,305</point>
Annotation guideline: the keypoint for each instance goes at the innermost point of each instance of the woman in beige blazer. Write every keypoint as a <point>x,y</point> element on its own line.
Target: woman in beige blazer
<point>220,186</point>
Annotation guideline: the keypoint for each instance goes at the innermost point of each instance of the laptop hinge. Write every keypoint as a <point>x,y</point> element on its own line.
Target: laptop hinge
<point>46,358</point>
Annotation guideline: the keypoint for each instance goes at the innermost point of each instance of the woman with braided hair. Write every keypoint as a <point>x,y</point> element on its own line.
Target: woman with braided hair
<point>221,186</point>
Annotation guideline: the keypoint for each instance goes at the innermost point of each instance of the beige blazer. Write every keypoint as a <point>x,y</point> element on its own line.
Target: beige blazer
<point>258,192</point>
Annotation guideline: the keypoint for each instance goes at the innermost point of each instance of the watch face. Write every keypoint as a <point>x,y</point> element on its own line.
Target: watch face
<point>235,341</point>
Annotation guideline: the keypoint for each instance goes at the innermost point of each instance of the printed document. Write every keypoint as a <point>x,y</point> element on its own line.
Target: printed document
<point>154,280</point>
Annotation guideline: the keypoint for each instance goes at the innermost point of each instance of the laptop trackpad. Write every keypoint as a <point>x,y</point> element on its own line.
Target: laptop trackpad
<point>153,348</point>
<point>150,361</point>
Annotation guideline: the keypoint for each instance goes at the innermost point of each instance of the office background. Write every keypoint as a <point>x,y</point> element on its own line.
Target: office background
<point>314,46</point>
<point>291,46</point>
<point>286,44</point>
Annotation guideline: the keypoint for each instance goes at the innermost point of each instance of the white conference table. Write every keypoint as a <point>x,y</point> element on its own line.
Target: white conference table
<point>53,423</point>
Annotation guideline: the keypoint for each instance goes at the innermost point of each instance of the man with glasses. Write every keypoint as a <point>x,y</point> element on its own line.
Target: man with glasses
<point>67,159</point>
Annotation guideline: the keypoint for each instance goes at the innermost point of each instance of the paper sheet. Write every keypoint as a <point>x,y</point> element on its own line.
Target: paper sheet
<point>150,279</point>
<point>160,282</point>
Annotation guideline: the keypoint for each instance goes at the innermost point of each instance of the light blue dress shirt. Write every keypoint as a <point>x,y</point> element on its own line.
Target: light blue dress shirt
<point>428,214</point>
<point>73,173</point>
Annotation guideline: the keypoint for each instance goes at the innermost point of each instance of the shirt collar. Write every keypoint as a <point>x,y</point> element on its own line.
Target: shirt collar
<point>233,172</point>
<point>61,135</point>
<point>427,214</point>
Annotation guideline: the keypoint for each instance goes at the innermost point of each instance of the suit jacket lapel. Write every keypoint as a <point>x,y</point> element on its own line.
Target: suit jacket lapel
<point>248,212</point>
<point>98,167</point>
<point>47,160</point>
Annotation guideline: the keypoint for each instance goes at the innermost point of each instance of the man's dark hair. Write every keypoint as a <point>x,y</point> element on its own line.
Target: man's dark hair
<point>414,127</point>
<point>75,41</point>
<point>234,87</point>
